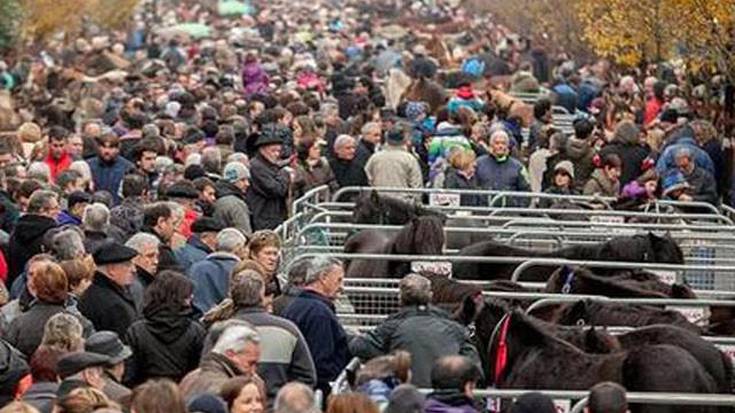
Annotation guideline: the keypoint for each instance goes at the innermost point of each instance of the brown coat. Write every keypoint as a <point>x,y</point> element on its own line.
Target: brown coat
<point>309,177</point>
<point>213,372</point>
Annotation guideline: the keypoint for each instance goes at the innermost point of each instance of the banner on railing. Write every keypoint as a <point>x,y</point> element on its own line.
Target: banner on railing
<point>444,199</point>
<point>434,267</point>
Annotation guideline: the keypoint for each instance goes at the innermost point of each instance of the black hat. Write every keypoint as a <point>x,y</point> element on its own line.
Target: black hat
<point>113,252</point>
<point>78,197</point>
<point>533,402</point>
<point>108,344</point>
<point>73,363</point>
<point>193,135</point>
<point>269,136</point>
<point>182,189</point>
<point>206,224</point>
<point>669,116</point>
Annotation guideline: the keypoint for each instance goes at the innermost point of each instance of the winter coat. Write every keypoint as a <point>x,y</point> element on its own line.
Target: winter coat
<point>165,345</point>
<point>213,371</point>
<point>26,241</point>
<point>128,216</point>
<point>231,207</point>
<point>703,186</point>
<point>288,359</point>
<point>108,176</point>
<point>316,318</point>
<point>108,306</point>
<point>394,167</point>
<point>166,258</point>
<point>667,161</point>
<point>41,395</point>
<point>407,330</point>
<point>566,97</point>
<point>455,180</point>
<point>509,175</point>
<point>581,154</point>
<point>58,166</point>
<point>282,302</point>
<point>456,403</point>
<point>254,79</point>
<point>631,153</point>
<point>211,279</point>
<point>600,184</point>
<point>349,173</point>
<point>13,368</point>
<point>26,331</point>
<point>309,177</point>
<point>66,218</point>
<point>113,389</point>
<point>193,251</point>
<point>267,194</point>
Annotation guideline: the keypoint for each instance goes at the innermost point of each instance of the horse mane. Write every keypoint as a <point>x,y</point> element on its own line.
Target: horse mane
<point>607,286</point>
<point>423,236</point>
<point>639,315</point>
<point>396,211</point>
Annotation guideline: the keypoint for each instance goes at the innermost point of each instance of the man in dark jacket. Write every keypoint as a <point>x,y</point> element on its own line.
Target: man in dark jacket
<point>159,220</point>
<point>201,243</point>
<point>211,277</point>
<point>27,239</point>
<point>453,379</point>
<point>314,314</point>
<point>348,168</point>
<point>108,167</point>
<point>269,189</point>
<point>407,330</point>
<point>13,368</point>
<point>108,303</point>
<point>702,183</point>
<point>626,144</point>
<point>499,171</point>
<point>231,207</point>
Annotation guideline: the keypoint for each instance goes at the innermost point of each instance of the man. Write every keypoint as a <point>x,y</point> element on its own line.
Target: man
<point>207,195</point>
<point>295,397</point>
<point>81,369</point>
<point>58,159</point>
<point>236,353</point>
<point>69,181</point>
<point>407,330</point>
<point>108,344</point>
<point>159,220</point>
<point>296,277</point>
<point>201,243</point>
<point>395,166</point>
<point>541,119</point>
<point>76,204</point>
<point>75,146</point>
<point>268,193</point>
<point>371,136</point>
<point>146,262</point>
<point>453,379</point>
<point>145,153</point>
<point>211,277</point>
<point>27,239</point>
<point>231,207</point>
<point>348,169</point>
<point>184,194</point>
<point>97,228</point>
<point>314,314</point>
<point>288,361</point>
<point>108,303</point>
<point>108,167</point>
<point>128,216</point>
<point>607,397</point>
<point>212,162</point>
<point>703,187</point>
<point>498,170</point>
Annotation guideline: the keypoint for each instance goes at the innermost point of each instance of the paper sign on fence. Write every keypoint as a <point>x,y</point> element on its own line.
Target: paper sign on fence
<point>434,267</point>
<point>610,219</point>
<point>443,199</point>
<point>666,276</point>
<point>694,314</point>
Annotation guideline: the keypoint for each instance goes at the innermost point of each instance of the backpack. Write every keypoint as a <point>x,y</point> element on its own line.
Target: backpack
<point>474,66</point>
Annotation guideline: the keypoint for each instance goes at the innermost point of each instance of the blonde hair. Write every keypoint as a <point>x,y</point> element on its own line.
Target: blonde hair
<point>84,400</point>
<point>462,158</point>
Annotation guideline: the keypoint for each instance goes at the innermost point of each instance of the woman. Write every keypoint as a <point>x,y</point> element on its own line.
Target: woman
<point>380,376</point>
<point>562,184</point>
<point>243,395</point>
<point>461,175</point>
<point>265,249</point>
<point>84,400</point>
<point>351,403</point>
<point>304,128</point>
<point>312,170</point>
<point>605,180</point>
<point>167,342</point>
<point>157,396</point>
<point>79,273</point>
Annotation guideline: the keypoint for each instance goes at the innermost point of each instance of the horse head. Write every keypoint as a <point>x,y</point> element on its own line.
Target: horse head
<point>367,209</point>
<point>665,249</point>
<point>512,336</point>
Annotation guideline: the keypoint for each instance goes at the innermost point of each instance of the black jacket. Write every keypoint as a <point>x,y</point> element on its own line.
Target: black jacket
<point>349,173</point>
<point>267,194</point>
<point>26,241</point>
<point>166,257</point>
<point>631,154</point>
<point>12,369</point>
<point>108,306</point>
<point>164,344</point>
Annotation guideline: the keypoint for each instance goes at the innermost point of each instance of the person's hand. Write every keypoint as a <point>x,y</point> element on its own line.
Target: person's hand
<point>685,198</point>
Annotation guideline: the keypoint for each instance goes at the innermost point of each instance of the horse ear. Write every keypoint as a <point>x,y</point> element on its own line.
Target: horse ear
<point>374,197</point>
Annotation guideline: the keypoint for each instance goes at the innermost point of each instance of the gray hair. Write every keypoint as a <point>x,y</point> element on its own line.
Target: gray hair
<point>177,210</point>
<point>415,290</point>
<point>162,162</point>
<point>246,288</point>
<point>64,331</point>
<point>497,132</point>
<point>212,160</point>
<point>82,168</point>
<point>230,240</point>
<point>343,140</point>
<point>68,244</point>
<point>329,108</point>
<point>216,330</point>
<point>39,171</point>
<point>320,266</point>
<point>235,339</point>
<point>96,217</point>
<point>683,152</point>
<point>295,397</point>
<point>40,200</point>
<point>370,126</point>
<point>238,157</point>
<point>142,240</point>
<point>193,159</point>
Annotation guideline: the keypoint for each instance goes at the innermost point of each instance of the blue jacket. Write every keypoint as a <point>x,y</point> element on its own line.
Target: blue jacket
<point>193,251</point>
<point>667,160</point>
<point>316,318</point>
<point>211,279</point>
<point>66,218</point>
<point>508,175</point>
<point>109,175</point>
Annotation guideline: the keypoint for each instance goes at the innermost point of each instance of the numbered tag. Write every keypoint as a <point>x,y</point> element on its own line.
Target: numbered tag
<point>610,219</point>
<point>694,314</point>
<point>668,277</point>
<point>728,350</point>
<point>562,405</point>
<point>443,199</point>
<point>435,267</point>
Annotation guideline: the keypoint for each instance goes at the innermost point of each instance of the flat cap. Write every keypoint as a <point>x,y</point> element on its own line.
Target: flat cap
<point>207,224</point>
<point>108,344</point>
<point>113,252</point>
<point>73,363</point>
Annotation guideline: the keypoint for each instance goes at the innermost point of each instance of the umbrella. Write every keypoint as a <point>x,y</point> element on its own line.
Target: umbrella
<point>195,30</point>
<point>233,7</point>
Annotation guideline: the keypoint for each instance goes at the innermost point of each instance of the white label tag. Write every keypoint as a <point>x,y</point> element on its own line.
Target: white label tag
<point>728,350</point>
<point>435,267</point>
<point>666,276</point>
<point>610,219</point>
<point>493,405</point>
<point>443,199</point>
<point>694,314</point>
<point>562,405</point>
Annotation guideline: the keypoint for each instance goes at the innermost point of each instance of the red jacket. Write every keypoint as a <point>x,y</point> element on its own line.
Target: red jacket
<point>59,166</point>
<point>653,107</point>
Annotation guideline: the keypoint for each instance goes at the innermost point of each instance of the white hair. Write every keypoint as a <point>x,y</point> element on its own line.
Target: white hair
<point>83,168</point>
<point>230,240</point>
<point>320,266</point>
<point>235,339</point>
<point>39,171</point>
<point>370,126</point>
<point>295,397</point>
<point>68,244</point>
<point>96,216</point>
<point>498,133</point>
<point>142,240</point>
<point>343,140</point>
<point>238,157</point>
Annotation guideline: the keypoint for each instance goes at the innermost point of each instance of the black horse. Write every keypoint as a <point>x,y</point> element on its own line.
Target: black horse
<point>648,248</point>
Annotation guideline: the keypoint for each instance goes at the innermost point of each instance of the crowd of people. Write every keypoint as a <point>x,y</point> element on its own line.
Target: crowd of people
<point>143,171</point>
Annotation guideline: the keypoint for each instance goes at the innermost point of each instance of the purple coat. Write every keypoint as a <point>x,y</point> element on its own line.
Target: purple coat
<point>435,406</point>
<point>254,78</point>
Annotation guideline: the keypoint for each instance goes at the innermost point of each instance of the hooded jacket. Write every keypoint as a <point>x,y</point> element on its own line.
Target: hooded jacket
<point>13,368</point>
<point>581,154</point>
<point>267,194</point>
<point>231,208</point>
<point>600,184</point>
<point>26,241</point>
<point>667,161</point>
<point>626,145</point>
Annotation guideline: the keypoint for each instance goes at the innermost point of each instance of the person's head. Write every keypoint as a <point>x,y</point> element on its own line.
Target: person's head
<point>207,190</point>
<point>57,141</point>
<point>45,203</point>
<point>75,145</point>
<point>115,261</point>
<point>265,248</point>
<point>463,160</point>
<point>684,161</point>
<point>309,149</point>
<point>79,272</point>
<point>70,181</point>
<point>649,181</point>
<point>499,144</point>
<point>325,276</point>
<point>157,396</point>
<point>241,345</point>
<point>23,195</point>
<point>63,331</point>
<point>242,395</point>
<point>533,402</point>
<point>405,399</point>
<point>96,217</point>
<point>393,366</point>
<point>612,166</point>
<point>372,132</point>
<point>108,344</point>
<point>294,397</point>
<point>43,363</point>
<point>160,218</point>
<point>583,128</point>
<point>145,154</point>
<point>247,289</point>
<point>77,202</point>
<point>563,174</point>
<point>147,246</point>
<point>415,290</point>
<point>456,373</point>
<point>84,400</point>
<point>237,174</point>
<point>134,185</point>
<point>170,292</point>
<point>68,244</point>
<point>108,146</point>
<point>212,160</point>
<point>6,153</point>
<point>82,168</point>
<point>47,282</point>
<point>39,171</point>
<point>297,271</point>
<point>351,403</point>
<point>542,110</point>
<point>345,147</point>
<point>607,397</point>
<point>233,241</point>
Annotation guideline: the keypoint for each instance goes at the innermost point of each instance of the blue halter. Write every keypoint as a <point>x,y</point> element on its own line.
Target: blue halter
<point>567,287</point>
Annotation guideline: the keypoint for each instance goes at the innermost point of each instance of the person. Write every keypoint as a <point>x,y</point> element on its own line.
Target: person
<point>76,204</point>
<point>108,168</point>
<point>533,402</point>
<point>96,226</point>
<point>406,330</point>
<point>201,243</point>
<point>314,314</point>
<point>231,207</point>
<point>563,185</point>
<point>242,395</point>
<point>146,262</point>
<point>144,155</point>
<point>108,344</point>
<point>541,120</point>
<point>157,396</point>
<point>380,376</point>
<point>84,399</point>
<point>57,159</point>
<point>654,99</point>
<point>312,169</point>
<point>27,239</point>
<point>211,277</point>
<point>394,166</point>
<point>405,399</point>
<point>295,397</point>
<point>65,332</point>
<point>12,371</point>
<point>295,282</point>
<point>461,175</point>
<point>348,169</point>
<point>128,215</point>
<point>453,380</point>
<point>42,392</point>
<point>607,397</point>
<point>269,191</point>
<point>265,249</point>
<point>351,403</point>
<point>160,221</point>
<point>499,170</point>
<point>235,353</point>
<point>108,303</point>
<point>81,369</point>
<point>641,190</point>
<point>605,181</point>
<point>254,77</point>
<point>702,184</point>
<point>371,136</point>
<point>183,194</point>
<point>710,141</point>
<point>166,342</point>
<point>626,144</point>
